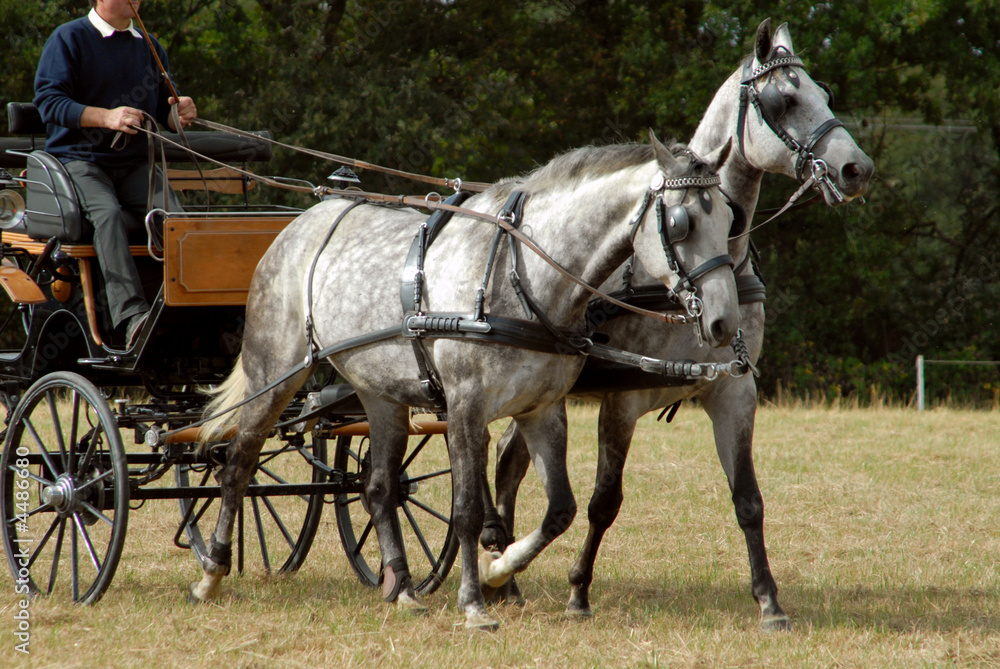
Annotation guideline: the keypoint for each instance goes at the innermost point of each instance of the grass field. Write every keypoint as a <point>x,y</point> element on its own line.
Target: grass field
<point>883,529</point>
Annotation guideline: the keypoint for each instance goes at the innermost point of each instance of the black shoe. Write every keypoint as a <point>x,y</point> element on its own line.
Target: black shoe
<point>135,326</point>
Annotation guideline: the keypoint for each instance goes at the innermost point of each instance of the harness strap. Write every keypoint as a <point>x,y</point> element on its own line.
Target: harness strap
<point>413,269</point>
<point>410,297</point>
<point>424,203</point>
<point>311,343</point>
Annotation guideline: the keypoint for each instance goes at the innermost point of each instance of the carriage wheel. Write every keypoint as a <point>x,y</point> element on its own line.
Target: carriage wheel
<point>274,531</point>
<point>424,503</point>
<point>64,489</point>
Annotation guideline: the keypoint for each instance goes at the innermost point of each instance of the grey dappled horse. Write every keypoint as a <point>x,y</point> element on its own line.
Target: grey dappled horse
<point>578,208</point>
<point>784,99</point>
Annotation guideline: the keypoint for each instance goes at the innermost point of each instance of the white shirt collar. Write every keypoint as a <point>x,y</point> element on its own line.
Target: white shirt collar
<point>105,28</point>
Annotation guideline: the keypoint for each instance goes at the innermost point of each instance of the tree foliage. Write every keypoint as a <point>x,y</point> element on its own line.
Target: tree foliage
<point>484,90</point>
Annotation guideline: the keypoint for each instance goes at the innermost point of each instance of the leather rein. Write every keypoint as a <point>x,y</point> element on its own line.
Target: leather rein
<point>431,202</point>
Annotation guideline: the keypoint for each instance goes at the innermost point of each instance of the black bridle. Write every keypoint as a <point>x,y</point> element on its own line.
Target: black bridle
<point>673,224</point>
<point>770,103</point>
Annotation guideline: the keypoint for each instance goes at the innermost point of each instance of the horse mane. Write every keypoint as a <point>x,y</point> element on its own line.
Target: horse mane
<point>592,162</point>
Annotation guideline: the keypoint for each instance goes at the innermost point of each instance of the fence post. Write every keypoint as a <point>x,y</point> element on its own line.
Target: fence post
<point>920,383</point>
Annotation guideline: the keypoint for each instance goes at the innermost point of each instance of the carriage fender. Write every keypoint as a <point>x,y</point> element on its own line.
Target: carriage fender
<point>60,343</point>
<point>20,287</point>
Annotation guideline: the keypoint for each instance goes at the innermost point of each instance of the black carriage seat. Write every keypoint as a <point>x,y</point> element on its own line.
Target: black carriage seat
<point>53,205</point>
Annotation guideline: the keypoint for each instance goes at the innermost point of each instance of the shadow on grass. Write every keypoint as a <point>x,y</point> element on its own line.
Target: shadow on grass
<point>931,609</point>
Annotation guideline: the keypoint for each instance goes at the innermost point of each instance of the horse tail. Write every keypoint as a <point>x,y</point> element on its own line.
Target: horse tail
<point>226,394</point>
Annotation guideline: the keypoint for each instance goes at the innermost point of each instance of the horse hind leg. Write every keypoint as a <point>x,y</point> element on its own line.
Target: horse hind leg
<point>256,420</point>
<point>615,430</point>
<point>234,477</point>
<point>498,529</point>
<point>389,435</point>
<point>732,415</point>
<point>545,436</point>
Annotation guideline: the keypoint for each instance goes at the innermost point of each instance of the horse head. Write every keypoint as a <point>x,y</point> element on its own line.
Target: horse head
<point>785,124</point>
<point>681,237</point>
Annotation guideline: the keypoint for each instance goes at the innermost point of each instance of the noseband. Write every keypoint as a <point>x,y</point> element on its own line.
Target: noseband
<point>674,224</point>
<point>770,103</point>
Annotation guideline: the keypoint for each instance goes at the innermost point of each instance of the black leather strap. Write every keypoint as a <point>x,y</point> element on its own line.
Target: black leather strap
<point>411,292</point>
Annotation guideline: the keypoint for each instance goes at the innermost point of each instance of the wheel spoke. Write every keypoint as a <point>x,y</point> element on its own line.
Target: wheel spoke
<point>50,398</point>
<point>277,521</point>
<point>363,539</point>
<point>86,541</point>
<point>416,451</point>
<point>75,562</point>
<point>93,446</point>
<point>97,512</point>
<point>96,480</point>
<point>55,558</point>
<point>437,514</point>
<point>260,534</point>
<point>44,540</point>
<point>271,455</point>
<point>419,534</point>
<point>430,475</point>
<point>41,448</point>
<point>31,475</point>
<point>74,427</point>
<point>351,453</point>
<point>281,481</point>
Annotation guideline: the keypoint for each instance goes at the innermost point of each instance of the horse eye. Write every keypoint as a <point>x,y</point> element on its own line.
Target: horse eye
<point>789,101</point>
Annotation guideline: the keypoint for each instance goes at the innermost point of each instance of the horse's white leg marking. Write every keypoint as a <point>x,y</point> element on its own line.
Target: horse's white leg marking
<point>545,435</point>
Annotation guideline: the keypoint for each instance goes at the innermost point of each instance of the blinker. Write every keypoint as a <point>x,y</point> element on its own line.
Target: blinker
<point>706,200</point>
<point>772,102</point>
<point>678,223</point>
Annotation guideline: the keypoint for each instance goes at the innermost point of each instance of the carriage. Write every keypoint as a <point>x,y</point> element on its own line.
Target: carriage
<point>95,430</point>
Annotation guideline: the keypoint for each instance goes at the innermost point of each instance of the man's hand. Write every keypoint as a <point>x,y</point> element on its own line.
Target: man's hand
<point>186,110</point>
<point>122,119</point>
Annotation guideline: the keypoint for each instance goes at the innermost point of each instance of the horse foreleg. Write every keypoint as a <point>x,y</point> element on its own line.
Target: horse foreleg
<point>468,440</point>
<point>545,436</point>
<point>732,410</point>
<point>615,429</point>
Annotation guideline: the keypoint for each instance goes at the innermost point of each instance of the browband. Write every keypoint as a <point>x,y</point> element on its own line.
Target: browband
<point>772,64</point>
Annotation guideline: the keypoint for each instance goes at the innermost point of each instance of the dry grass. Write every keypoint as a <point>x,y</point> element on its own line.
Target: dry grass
<point>881,525</point>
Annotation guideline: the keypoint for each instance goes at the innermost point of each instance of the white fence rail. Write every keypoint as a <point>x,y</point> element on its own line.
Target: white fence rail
<point>921,361</point>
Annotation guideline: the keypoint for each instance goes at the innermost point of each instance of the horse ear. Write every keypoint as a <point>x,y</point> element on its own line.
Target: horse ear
<point>762,43</point>
<point>665,159</point>
<point>717,158</point>
<point>782,37</point>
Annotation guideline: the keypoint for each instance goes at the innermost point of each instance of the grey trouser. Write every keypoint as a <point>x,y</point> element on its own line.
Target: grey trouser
<point>104,194</point>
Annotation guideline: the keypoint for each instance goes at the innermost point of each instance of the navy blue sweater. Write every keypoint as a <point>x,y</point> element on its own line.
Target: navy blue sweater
<point>81,68</point>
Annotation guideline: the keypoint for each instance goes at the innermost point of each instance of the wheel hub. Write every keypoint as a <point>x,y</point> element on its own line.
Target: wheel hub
<point>67,498</point>
<point>61,495</point>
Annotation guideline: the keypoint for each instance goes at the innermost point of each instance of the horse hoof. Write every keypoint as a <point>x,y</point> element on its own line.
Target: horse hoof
<point>486,561</point>
<point>192,596</point>
<point>775,623</point>
<point>574,613</point>
<point>410,605</point>
<point>480,620</point>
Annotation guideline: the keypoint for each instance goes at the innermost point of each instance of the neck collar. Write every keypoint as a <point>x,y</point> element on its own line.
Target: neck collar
<point>106,29</point>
